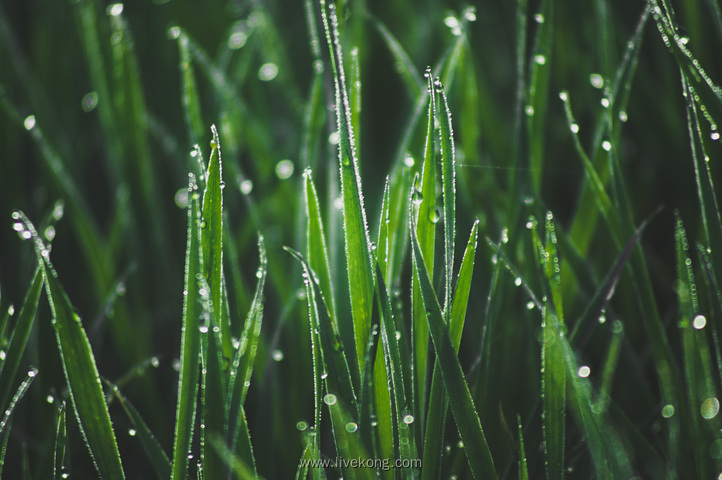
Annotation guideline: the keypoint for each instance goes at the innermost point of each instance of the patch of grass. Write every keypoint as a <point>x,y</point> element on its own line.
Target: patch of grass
<point>322,319</point>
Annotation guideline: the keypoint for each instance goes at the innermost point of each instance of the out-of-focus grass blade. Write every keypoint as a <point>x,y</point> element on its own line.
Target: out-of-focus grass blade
<point>412,78</point>
<point>156,454</point>
<point>61,440</point>
<point>212,239</point>
<point>241,470</point>
<point>523,467</point>
<point>396,233</point>
<point>424,199</point>
<point>355,100</point>
<point>191,340</point>
<point>610,367</point>
<point>316,237</point>
<point>19,339</point>
<point>348,440</point>
<point>467,419</point>
<point>358,257</point>
<point>438,402</point>
<point>392,358</point>
<point>537,98</point>
<point>190,98</point>
<point>81,373</point>
<point>240,375</point>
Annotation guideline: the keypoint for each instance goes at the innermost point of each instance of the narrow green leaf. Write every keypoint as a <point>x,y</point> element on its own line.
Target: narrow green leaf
<point>191,98</point>
<point>316,237</point>
<point>409,74</point>
<point>448,182</point>
<point>61,440</point>
<point>523,467</point>
<point>19,339</point>
<point>241,469</point>
<point>156,454</point>
<point>356,236</point>
<point>462,406</point>
<point>190,340</point>
<point>6,418</point>
<point>213,395</point>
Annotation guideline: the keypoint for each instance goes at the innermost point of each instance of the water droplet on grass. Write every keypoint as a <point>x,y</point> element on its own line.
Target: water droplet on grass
<point>284,169</point>
<point>584,371</point>
<point>246,186</point>
<point>277,355</point>
<point>11,310</point>
<point>529,110</point>
<point>29,122</point>
<point>49,233</point>
<point>623,116</point>
<point>301,425</point>
<point>409,160</point>
<point>329,399</point>
<point>408,419</point>
<point>574,127</point>
<point>607,145</point>
<point>115,9</point>
<point>539,18</point>
<point>351,427</point>
<point>132,432</point>
<point>668,411</point>
<point>434,215</point>
<point>540,59</point>
<point>596,80</point>
<point>517,281</point>
<point>89,101</point>
<point>710,408</point>
<point>699,322</point>
<point>333,139</point>
<point>203,329</point>
<point>605,102</point>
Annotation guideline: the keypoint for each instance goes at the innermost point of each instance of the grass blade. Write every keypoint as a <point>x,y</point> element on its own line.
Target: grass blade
<point>409,74</point>
<point>191,340</point>
<point>191,101</point>
<point>21,333</point>
<point>448,182</point>
<point>60,452</point>
<point>467,419</point>
<point>523,467</point>
<point>356,236</point>
<point>156,454</point>
<point>318,258</point>
<point>81,373</point>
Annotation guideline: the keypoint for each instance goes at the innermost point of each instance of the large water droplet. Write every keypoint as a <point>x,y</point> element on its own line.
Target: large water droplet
<point>584,371</point>
<point>115,9</point>
<point>434,215</point>
<point>668,411</point>
<point>596,80</point>
<point>351,427</point>
<point>284,169</point>
<point>710,408</point>
<point>267,72</point>
<point>89,101</point>
<point>29,122</point>
<point>699,322</point>
<point>329,399</point>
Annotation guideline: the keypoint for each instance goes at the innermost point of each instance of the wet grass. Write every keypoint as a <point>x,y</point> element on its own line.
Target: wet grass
<point>482,242</point>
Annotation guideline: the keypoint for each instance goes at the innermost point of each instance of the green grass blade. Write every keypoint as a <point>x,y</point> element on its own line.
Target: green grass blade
<point>438,402</point>
<point>448,182</point>
<point>409,73</point>
<point>356,236</point>
<point>156,454</point>
<point>354,93</point>
<point>191,340</point>
<point>317,251</point>
<point>240,469</point>
<point>212,240</point>
<point>60,451</point>
<point>523,467</point>
<point>191,98</point>
<point>81,373</point>
<point>19,339</point>
<point>467,419</point>
<point>7,415</point>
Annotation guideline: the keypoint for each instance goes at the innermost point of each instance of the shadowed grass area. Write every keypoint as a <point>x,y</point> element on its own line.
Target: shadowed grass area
<point>235,239</point>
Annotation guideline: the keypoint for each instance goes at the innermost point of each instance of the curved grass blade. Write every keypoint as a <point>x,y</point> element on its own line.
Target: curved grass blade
<point>60,452</point>
<point>356,236</point>
<point>19,339</point>
<point>6,418</point>
<point>438,401</point>
<point>241,470</point>
<point>191,341</point>
<point>462,406</point>
<point>191,99</point>
<point>156,454</point>
<point>409,74</point>
<point>81,373</point>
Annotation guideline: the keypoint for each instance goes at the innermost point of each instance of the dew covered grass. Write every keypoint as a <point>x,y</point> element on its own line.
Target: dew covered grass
<point>345,240</point>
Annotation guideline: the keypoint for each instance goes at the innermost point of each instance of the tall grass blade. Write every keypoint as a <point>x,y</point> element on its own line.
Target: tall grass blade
<point>191,98</point>
<point>462,406</point>
<point>60,451</point>
<point>523,466</point>
<point>448,182</point>
<point>81,373</point>
<point>190,340</point>
<point>155,452</point>
<point>213,396</point>
<point>240,469</point>
<point>356,236</point>
<point>318,258</point>
<point>438,401</point>
<point>409,73</point>
<point>19,339</point>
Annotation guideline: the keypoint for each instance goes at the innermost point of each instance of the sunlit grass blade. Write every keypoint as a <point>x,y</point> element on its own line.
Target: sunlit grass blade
<point>238,438</point>
<point>438,401</point>
<point>190,340</point>
<point>316,237</point>
<point>19,339</point>
<point>156,454</point>
<point>538,85</point>
<point>392,358</point>
<point>523,466</point>
<point>356,236</point>
<point>212,239</point>
<point>354,93</point>
<point>81,373</point>
<point>409,73</point>
<point>240,469</point>
<point>61,440</point>
<point>426,217</point>
<point>448,189</point>
<point>467,419</point>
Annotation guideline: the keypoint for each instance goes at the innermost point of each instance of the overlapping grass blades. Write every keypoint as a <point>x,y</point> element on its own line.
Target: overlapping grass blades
<point>81,373</point>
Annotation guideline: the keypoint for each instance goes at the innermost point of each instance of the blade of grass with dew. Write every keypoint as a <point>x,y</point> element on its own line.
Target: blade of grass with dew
<point>81,372</point>
<point>240,375</point>
<point>7,416</point>
<point>523,467</point>
<point>424,199</point>
<point>348,442</point>
<point>709,208</point>
<point>715,296</point>
<point>356,236</point>
<point>4,437</point>
<point>354,93</point>
<point>688,307</point>
<point>190,340</point>
<point>212,239</point>
<point>392,358</point>
<point>448,192</point>
<point>397,231</point>
<point>60,450</point>
<point>438,401</point>
<point>610,366</point>
<point>20,335</point>
<point>213,397</point>
<point>240,469</point>
<point>190,98</point>
<point>462,406</point>
<point>153,449</point>
<point>554,379</point>
<point>317,254</point>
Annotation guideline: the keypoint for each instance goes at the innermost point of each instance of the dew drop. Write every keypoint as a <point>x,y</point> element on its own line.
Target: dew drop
<point>246,186</point>
<point>584,371</point>
<point>623,117</point>
<point>574,127</point>
<point>155,362</point>
<point>351,427</point>
<point>417,197</point>
<point>176,364</point>
<point>334,138</point>
<point>539,18</point>
<point>434,215</point>
<point>540,59</point>
<point>602,319</point>
<point>596,80</point>
<point>563,96</point>
<point>529,110</point>
<point>408,419</point>
<point>710,408</point>
<point>505,235</point>
<point>517,281</point>
<point>714,136</point>
<point>89,101</point>
<point>115,9</point>
<point>699,322</point>
<point>409,160</point>
<point>398,335</point>
<point>203,329</point>
<point>49,233</point>
<point>451,21</point>
<point>277,355</point>
<point>668,411</point>
<point>2,354</point>
<point>329,399</point>
<point>460,444</point>
<point>132,432</point>
<point>605,102</point>
<point>50,399</point>
<point>267,72</point>
<point>301,425</point>
<point>32,372</point>
<point>530,305</point>
<point>29,122</point>
<point>607,145</point>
